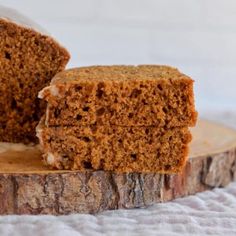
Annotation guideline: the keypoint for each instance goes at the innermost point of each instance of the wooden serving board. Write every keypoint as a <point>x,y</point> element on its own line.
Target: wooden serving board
<point>28,187</point>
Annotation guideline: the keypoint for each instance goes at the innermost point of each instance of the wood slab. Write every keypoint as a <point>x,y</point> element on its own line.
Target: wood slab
<point>28,187</point>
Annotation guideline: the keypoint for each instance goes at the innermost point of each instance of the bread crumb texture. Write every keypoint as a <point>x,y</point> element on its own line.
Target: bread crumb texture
<point>121,95</point>
<point>116,148</point>
<point>28,61</point>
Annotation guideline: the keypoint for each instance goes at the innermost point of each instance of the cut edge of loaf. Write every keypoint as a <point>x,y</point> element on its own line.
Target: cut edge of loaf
<point>23,109</point>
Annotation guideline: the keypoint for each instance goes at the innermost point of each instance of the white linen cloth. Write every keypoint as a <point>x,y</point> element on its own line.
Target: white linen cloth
<point>208,213</point>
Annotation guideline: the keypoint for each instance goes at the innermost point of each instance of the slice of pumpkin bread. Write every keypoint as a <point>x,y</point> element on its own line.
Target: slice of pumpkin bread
<point>115,148</point>
<point>146,95</point>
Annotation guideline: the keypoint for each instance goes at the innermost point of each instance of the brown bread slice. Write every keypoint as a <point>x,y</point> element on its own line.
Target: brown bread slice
<point>146,95</point>
<point>115,148</point>
<point>28,61</point>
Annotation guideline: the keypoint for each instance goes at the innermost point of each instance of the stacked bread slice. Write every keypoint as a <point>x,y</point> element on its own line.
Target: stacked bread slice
<point>118,118</point>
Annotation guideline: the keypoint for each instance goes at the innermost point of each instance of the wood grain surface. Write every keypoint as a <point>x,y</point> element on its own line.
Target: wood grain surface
<point>28,187</point>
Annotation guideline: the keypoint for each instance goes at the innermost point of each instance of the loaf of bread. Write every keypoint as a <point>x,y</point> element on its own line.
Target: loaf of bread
<point>118,118</point>
<point>144,95</point>
<point>29,59</point>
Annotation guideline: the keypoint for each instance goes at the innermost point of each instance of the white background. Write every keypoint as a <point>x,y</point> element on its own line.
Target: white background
<point>197,36</point>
